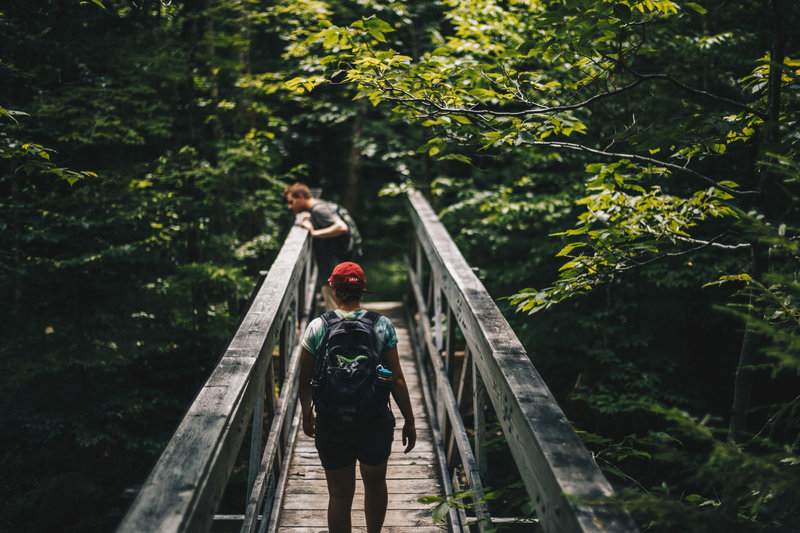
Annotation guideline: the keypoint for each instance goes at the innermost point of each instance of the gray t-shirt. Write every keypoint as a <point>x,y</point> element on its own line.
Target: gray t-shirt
<point>328,252</point>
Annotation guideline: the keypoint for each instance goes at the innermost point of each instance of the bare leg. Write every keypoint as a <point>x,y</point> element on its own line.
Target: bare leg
<point>375,496</point>
<point>341,487</point>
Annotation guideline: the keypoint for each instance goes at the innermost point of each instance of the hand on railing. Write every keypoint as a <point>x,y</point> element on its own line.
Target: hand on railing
<point>305,222</point>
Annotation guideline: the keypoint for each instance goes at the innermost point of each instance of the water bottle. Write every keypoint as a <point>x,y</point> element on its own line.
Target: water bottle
<point>384,377</point>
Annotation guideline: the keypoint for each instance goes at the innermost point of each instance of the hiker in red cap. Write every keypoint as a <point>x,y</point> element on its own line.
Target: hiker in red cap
<point>349,366</point>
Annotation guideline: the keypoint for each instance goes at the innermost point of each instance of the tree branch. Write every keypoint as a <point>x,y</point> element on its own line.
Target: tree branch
<point>643,159</point>
<point>408,99</point>
<point>689,89</point>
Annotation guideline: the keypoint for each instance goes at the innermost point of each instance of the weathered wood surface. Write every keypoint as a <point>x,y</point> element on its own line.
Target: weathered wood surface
<point>552,460</point>
<point>409,476</point>
<point>447,407</point>
<point>184,489</point>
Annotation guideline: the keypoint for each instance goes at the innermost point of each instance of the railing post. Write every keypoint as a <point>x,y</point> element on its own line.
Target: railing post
<point>450,345</point>
<point>289,334</point>
<point>464,391</point>
<point>479,419</point>
<point>295,338</point>
<point>421,313</point>
<point>437,315</point>
<point>435,303</point>
<point>255,443</point>
<point>418,260</point>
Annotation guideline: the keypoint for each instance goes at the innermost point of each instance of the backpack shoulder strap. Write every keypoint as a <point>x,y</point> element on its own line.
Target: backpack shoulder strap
<point>370,318</point>
<point>330,317</point>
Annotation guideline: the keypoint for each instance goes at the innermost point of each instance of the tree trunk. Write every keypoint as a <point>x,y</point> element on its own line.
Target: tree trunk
<point>768,204</point>
<point>243,103</point>
<point>353,183</point>
<point>743,383</point>
<point>216,126</point>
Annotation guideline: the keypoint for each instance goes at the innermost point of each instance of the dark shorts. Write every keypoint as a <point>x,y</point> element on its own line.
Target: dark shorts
<point>370,444</point>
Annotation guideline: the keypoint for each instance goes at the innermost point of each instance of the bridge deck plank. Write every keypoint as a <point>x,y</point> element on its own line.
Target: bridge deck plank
<point>409,476</point>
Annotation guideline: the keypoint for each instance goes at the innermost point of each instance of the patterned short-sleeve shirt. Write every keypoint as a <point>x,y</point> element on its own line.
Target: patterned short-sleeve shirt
<point>384,331</point>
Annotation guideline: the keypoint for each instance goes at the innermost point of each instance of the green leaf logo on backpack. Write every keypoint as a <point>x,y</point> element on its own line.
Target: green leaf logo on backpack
<point>344,386</point>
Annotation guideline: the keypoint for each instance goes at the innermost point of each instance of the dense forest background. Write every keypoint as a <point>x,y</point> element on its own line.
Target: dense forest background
<point>623,174</point>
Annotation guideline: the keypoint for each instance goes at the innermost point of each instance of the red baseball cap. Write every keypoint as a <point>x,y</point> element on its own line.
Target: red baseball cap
<point>348,276</point>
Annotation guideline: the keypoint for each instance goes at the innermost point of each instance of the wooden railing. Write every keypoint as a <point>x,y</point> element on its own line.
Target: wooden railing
<point>564,483</point>
<point>183,491</point>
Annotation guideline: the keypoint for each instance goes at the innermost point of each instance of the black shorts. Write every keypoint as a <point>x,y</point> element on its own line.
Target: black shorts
<point>370,444</point>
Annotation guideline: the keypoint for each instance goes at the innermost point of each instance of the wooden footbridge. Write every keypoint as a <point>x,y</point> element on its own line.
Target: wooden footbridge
<point>459,356</point>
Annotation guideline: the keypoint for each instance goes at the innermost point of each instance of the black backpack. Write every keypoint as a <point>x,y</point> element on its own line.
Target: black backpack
<point>345,388</point>
<point>351,245</point>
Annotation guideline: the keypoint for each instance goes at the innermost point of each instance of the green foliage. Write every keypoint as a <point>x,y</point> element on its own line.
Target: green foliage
<point>778,316</point>
<point>37,159</point>
<point>462,499</point>
<point>123,283</point>
<point>527,205</point>
<point>616,168</point>
<point>699,474</point>
<point>625,226</point>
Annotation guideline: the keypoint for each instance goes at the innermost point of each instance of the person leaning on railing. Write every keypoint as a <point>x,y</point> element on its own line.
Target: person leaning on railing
<point>327,229</point>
